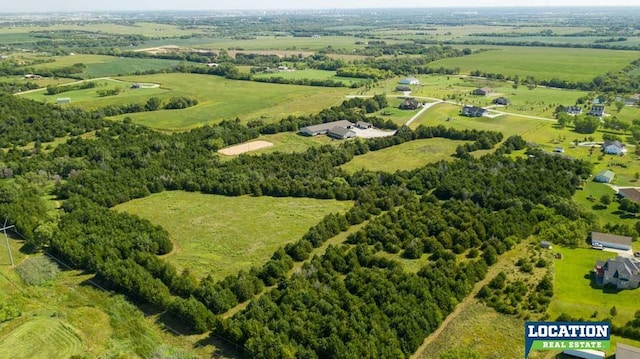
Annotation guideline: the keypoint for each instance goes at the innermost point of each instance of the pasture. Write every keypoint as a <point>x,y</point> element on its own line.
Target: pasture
<point>222,99</point>
<point>404,157</point>
<point>543,63</point>
<point>220,235</point>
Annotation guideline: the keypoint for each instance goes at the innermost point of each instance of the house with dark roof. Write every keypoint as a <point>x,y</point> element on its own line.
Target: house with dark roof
<point>341,133</point>
<point>596,110</point>
<point>632,194</point>
<point>409,81</point>
<point>622,272</point>
<point>614,148</point>
<point>502,101</point>
<point>473,111</point>
<point>403,88</point>
<point>609,240</point>
<point>624,351</point>
<point>324,128</point>
<point>605,176</point>
<point>409,104</point>
<point>573,110</point>
<point>483,91</point>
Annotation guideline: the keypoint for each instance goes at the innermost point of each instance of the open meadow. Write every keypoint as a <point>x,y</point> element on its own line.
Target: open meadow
<point>222,99</point>
<point>406,156</point>
<point>220,235</point>
<point>542,62</point>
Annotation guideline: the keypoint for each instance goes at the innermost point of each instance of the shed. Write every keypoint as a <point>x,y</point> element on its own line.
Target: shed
<point>341,133</point>
<point>363,125</point>
<point>624,351</point>
<point>604,176</point>
<point>63,100</point>
<point>545,244</point>
<point>483,91</point>
<point>609,240</point>
<point>409,81</point>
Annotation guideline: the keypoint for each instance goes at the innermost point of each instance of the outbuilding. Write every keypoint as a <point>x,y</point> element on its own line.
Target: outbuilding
<point>604,176</point>
<point>324,128</point>
<point>409,81</point>
<point>545,244</point>
<point>609,240</point>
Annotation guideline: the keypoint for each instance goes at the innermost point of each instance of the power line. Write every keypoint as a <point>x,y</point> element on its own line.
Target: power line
<point>4,229</point>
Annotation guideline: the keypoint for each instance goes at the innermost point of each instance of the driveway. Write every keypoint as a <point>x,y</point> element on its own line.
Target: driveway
<point>620,252</point>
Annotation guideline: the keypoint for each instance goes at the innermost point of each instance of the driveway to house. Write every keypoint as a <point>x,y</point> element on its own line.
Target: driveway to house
<point>425,107</point>
<point>623,253</point>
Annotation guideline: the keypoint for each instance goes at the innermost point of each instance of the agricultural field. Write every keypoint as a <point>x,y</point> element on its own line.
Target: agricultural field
<point>405,157</point>
<point>221,99</point>
<point>103,66</point>
<point>543,63</point>
<point>140,28</point>
<point>213,234</point>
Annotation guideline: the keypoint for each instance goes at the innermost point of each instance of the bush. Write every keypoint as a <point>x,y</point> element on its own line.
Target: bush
<point>37,270</point>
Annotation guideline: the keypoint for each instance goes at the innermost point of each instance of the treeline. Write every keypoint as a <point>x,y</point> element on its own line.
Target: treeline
<point>56,89</point>
<point>152,104</point>
<point>307,82</point>
<point>17,86</point>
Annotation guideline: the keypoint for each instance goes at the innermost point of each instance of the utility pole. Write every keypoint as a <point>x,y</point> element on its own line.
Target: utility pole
<point>4,229</point>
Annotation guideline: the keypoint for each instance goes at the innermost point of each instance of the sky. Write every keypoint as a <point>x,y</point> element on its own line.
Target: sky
<point>110,5</point>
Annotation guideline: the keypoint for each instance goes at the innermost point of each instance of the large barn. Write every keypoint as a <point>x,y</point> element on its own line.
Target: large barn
<point>324,128</point>
<point>609,240</point>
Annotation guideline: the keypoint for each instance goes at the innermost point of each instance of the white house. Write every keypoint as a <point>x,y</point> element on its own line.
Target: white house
<point>409,81</point>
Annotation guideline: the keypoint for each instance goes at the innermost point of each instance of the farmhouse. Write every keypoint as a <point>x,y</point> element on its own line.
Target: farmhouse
<point>609,240</point>
<point>484,91</point>
<point>632,194</point>
<point>604,176</point>
<point>409,81</point>
<point>624,351</point>
<point>409,104</point>
<point>502,101</point>
<point>613,148</point>
<point>63,100</point>
<point>324,128</point>
<point>573,110</point>
<point>622,272</point>
<point>473,111</point>
<point>363,125</point>
<point>341,133</point>
<point>597,110</point>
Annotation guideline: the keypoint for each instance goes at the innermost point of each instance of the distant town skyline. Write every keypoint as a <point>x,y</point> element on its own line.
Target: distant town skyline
<point>115,5</point>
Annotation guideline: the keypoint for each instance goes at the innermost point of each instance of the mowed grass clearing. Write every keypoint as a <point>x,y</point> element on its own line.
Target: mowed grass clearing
<point>222,235</point>
<point>543,62</point>
<point>405,157</point>
<point>223,99</point>
<point>574,294</point>
<point>46,338</point>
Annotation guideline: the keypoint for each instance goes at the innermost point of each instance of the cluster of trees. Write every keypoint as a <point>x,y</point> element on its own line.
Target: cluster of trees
<point>517,297</point>
<point>152,104</point>
<point>54,89</point>
<point>17,86</point>
<point>363,72</point>
<point>631,329</point>
<point>308,82</point>
<point>66,71</point>
<point>109,92</point>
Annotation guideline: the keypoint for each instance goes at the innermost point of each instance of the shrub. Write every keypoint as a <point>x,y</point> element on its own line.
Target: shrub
<point>37,270</point>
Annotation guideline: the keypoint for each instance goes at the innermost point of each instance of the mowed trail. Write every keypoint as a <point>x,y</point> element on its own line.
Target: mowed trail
<point>504,261</point>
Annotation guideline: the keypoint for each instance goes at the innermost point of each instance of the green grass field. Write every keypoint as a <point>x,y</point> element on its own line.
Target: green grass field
<point>290,142</point>
<point>47,338</point>
<point>222,99</point>
<point>407,156</point>
<point>543,63</point>
<point>221,235</point>
<point>141,28</point>
<point>102,66</point>
<point>89,99</point>
<point>574,295</point>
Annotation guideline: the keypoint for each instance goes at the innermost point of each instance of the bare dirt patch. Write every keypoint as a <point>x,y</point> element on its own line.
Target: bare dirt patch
<point>245,147</point>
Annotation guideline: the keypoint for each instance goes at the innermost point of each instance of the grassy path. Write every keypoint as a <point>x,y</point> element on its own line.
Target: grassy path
<point>505,260</point>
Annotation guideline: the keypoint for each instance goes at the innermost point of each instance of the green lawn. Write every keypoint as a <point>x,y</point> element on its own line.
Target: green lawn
<point>574,295</point>
<point>542,62</point>
<point>406,156</point>
<point>223,99</point>
<point>221,235</point>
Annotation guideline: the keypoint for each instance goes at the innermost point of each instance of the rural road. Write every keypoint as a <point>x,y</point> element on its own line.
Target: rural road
<point>424,108</point>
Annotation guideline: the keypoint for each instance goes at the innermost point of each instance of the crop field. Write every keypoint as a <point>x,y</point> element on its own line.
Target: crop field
<point>310,75</point>
<point>284,43</point>
<point>222,99</point>
<point>574,294</point>
<point>404,157</point>
<point>543,63</point>
<point>222,235</point>
<point>102,66</point>
<point>88,97</point>
<point>141,28</point>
